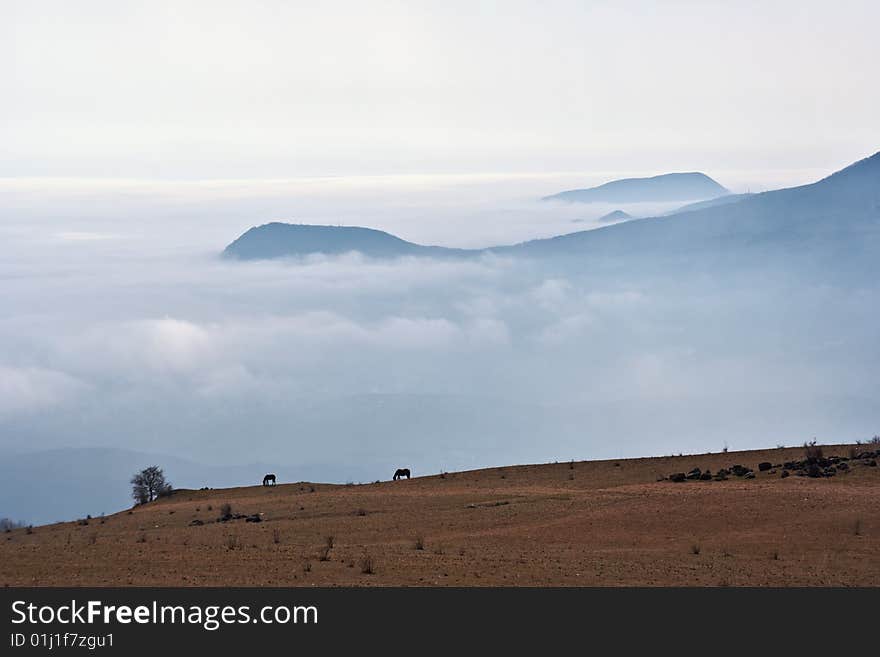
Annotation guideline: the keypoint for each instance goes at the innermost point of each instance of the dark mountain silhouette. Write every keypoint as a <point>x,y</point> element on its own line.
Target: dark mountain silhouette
<point>840,212</point>
<point>277,240</point>
<point>666,187</point>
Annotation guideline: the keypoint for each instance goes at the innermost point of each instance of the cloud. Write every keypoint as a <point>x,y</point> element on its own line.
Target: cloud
<point>153,339</point>
<point>32,389</point>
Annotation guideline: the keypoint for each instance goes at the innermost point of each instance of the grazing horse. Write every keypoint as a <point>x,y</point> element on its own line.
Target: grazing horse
<point>268,478</point>
<point>400,473</point>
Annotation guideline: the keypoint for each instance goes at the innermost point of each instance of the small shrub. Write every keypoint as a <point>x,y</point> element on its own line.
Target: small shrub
<point>209,507</point>
<point>813,451</point>
<point>329,542</point>
<point>571,465</point>
<point>324,554</point>
<point>361,512</point>
<point>775,555</point>
<point>82,522</point>
<point>142,538</point>
<point>93,538</point>
<point>276,536</point>
<point>695,549</point>
<point>857,527</point>
<point>571,476</point>
<point>438,550</point>
<point>307,567</point>
<point>232,542</point>
<point>419,543</point>
<point>875,440</point>
<point>442,475</point>
<point>367,566</point>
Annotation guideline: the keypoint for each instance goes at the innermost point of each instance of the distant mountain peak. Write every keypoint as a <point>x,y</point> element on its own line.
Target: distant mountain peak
<point>615,215</point>
<point>278,240</point>
<point>688,186</point>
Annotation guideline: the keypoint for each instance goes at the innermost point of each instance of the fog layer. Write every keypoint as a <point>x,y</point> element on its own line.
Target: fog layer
<point>121,327</point>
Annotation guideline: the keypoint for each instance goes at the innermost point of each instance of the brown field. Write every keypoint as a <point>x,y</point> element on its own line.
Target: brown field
<point>605,523</point>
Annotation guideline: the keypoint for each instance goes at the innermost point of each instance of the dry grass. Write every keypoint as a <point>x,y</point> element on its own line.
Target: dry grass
<point>614,524</point>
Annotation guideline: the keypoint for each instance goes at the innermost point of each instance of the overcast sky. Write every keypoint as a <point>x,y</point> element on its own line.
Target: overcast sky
<point>263,89</point>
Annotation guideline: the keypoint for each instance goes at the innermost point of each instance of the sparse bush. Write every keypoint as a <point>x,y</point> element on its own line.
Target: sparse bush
<point>226,510</point>
<point>695,549</point>
<point>82,522</point>
<point>29,530</point>
<point>571,476</point>
<point>324,554</point>
<point>775,555</point>
<point>361,512</point>
<point>209,507</point>
<point>276,536</point>
<point>93,538</point>
<point>367,566</point>
<point>142,538</point>
<point>438,550</point>
<point>875,440</point>
<point>857,527</point>
<point>813,451</point>
<point>329,542</point>
<point>419,543</point>
<point>307,567</point>
<point>232,542</point>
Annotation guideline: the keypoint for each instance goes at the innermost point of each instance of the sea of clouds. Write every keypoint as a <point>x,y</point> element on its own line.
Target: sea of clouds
<point>121,326</point>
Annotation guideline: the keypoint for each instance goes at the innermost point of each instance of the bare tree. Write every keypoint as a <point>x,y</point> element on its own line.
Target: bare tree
<point>148,484</point>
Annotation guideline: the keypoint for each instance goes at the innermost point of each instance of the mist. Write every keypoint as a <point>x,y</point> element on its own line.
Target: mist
<point>121,327</point>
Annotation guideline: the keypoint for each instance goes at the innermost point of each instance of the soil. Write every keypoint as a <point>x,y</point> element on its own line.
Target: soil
<point>595,523</point>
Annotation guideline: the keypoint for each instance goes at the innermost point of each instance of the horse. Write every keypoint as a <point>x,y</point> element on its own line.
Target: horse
<point>400,473</point>
<point>268,478</point>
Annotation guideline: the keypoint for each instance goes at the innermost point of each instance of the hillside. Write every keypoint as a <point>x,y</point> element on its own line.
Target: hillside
<point>580,523</point>
<point>691,186</point>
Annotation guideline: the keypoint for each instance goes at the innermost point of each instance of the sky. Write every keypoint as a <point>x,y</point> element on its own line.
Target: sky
<point>272,89</point>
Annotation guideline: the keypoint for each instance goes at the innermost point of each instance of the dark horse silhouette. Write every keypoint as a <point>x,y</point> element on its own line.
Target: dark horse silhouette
<point>400,473</point>
<point>268,478</point>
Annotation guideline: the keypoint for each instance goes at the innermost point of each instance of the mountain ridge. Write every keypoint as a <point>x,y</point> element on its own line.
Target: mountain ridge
<point>844,204</point>
<point>686,186</point>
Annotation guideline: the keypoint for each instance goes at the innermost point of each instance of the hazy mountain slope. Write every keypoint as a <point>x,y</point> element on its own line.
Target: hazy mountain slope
<point>70,483</point>
<point>842,210</point>
<point>666,187</point>
<point>712,202</point>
